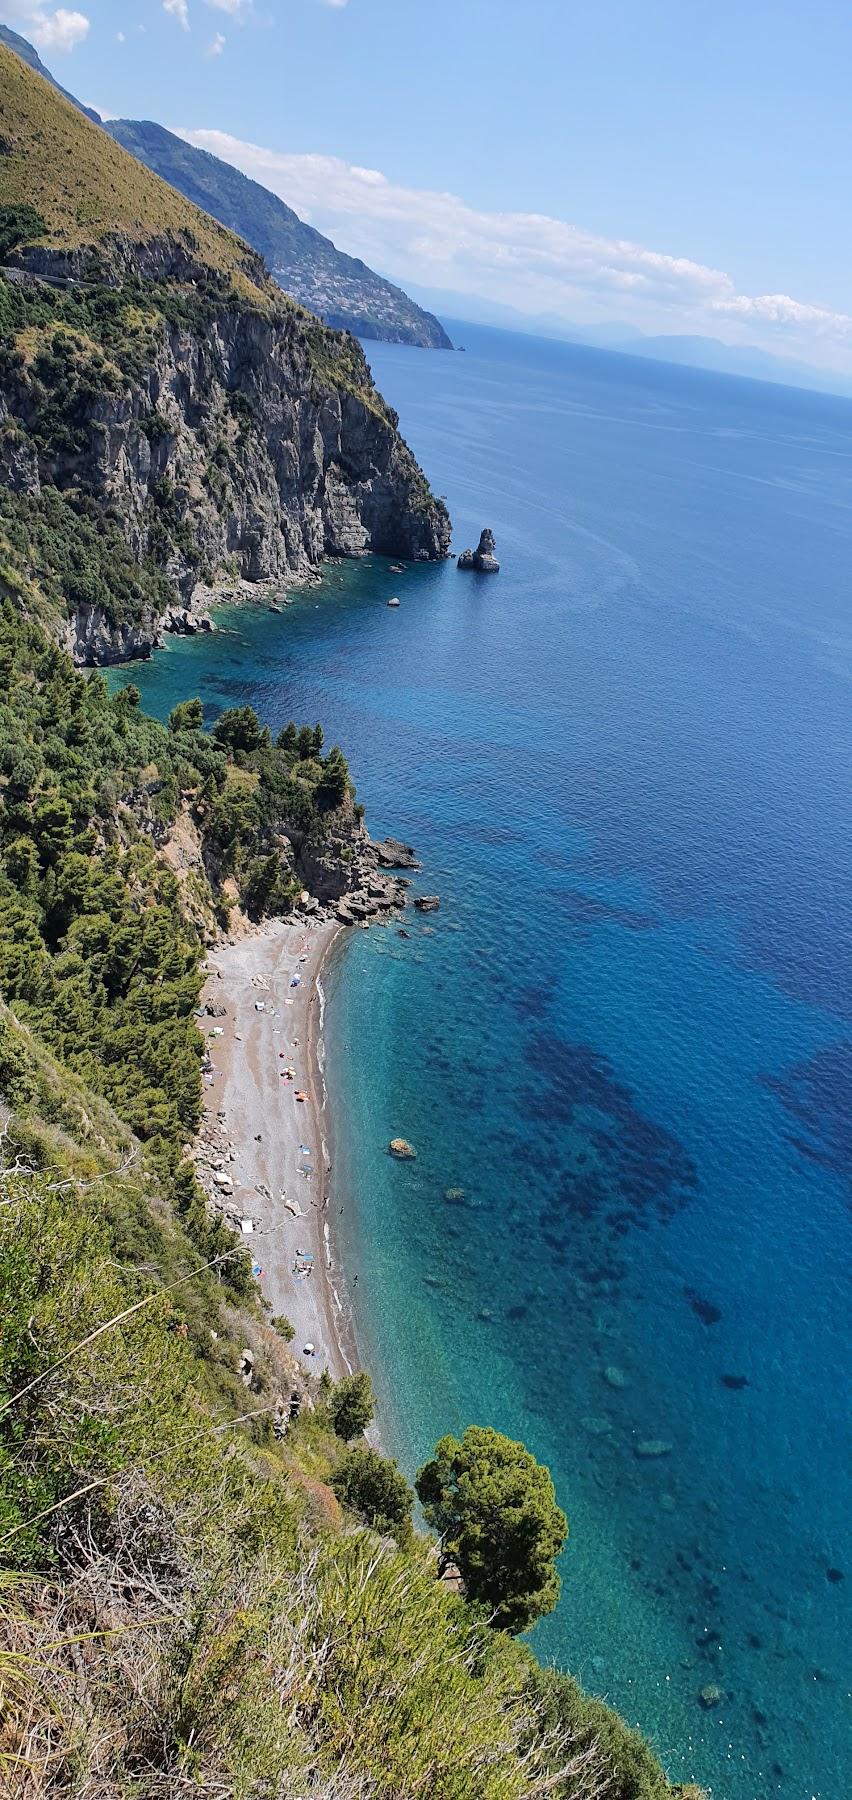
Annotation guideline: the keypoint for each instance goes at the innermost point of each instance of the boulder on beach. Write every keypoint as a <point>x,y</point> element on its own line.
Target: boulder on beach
<point>482,558</point>
<point>400,1148</point>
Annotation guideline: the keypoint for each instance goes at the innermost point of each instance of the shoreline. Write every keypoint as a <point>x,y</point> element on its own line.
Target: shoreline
<point>266,1157</point>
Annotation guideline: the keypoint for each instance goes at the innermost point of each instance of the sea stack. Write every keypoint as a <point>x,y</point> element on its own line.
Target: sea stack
<point>482,558</point>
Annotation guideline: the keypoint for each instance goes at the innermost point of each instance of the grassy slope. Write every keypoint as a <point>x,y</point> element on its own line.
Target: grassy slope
<point>287,244</point>
<point>87,188</point>
<point>258,1649</point>
<point>28,54</point>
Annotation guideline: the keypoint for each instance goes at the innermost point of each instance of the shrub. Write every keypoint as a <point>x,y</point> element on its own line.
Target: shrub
<point>188,715</point>
<point>352,1405</point>
<point>373,1487</point>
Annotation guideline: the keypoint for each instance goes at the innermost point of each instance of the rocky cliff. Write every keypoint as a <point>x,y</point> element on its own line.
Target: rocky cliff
<point>340,289</point>
<point>249,443</point>
<point>167,417</point>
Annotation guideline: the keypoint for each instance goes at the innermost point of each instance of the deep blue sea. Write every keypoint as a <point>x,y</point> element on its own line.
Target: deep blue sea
<point>623,1047</point>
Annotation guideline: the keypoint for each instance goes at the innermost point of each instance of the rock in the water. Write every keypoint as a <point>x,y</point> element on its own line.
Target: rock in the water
<point>614,1377</point>
<point>427,902</point>
<point>596,1424</point>
<point>401,1148</point>
<point>653,1447</point>
<point>709,1697</point>
<point>393,855</point>
<point>482,558</point>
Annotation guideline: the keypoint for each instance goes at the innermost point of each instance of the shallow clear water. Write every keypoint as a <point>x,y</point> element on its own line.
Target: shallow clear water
<point>626,1036</point>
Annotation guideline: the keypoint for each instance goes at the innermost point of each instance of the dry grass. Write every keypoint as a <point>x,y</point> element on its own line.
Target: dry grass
<point>87,188</point>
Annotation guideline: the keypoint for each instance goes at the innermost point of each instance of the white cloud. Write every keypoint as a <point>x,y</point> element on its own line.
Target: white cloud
<point>236,9</point>
<point>120,37</point>
<point>179,9</point>
<point>216,45</point>
<point>59,29</point>
<point>531,261</point>
<point>334,2</point>
<point>780,309</point>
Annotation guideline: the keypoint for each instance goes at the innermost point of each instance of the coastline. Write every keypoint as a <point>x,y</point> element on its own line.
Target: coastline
<point>266,1156</point>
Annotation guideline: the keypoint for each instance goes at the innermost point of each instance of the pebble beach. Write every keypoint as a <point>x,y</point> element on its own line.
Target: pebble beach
<point>263,1151</point>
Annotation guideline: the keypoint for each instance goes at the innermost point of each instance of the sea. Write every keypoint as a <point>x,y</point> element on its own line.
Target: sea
<point>622,1048</point>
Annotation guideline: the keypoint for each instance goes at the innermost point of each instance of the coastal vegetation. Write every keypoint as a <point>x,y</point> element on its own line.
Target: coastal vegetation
<point>201,1590</point>
<point>352,1406</point>
<point>147,361</point>
<point>190,1598</point>
<point>494,1509</point>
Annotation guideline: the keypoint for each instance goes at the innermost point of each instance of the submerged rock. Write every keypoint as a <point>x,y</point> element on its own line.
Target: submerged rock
<point>427,902</point>
<point>709,1697</point>
<point>482,558</point>
<point>615,1377</point>
<point>652,1447</point>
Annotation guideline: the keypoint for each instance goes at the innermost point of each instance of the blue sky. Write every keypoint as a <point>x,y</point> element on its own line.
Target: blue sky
<point>678,165</point>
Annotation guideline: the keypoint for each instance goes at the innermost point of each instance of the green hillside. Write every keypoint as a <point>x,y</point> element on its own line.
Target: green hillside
<point>340,288</point>
<point>200,1594</point>
<point>28,54</point>
<point>85,188</point>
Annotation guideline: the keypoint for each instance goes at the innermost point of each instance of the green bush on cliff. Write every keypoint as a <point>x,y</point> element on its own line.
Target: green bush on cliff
<point>495,1510</point>
<point>352,1405</point>
<point>73,550</point>
<point>19,224</point>
<point>275,1658</point>
<point>374,1489</point>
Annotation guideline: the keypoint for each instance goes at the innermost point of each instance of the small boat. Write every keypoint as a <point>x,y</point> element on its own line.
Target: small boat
<point>394,601</point>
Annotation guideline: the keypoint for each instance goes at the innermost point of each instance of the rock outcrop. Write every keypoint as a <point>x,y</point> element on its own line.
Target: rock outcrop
<point>482,558</point>
<point>340,289</point>
<point>249,445</point>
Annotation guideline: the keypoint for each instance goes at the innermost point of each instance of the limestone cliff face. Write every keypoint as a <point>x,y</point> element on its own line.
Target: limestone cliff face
<point>252,444</point>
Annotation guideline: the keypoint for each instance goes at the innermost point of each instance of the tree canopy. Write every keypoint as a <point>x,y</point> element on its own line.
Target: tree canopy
<point>495,1508</point>
<point>352,1405</point>
<point>373,1487</point>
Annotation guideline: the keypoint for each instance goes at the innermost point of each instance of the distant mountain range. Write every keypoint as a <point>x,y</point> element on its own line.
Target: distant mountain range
<point>694,352</point>
<point>345,293</point>
<point>342,290</point>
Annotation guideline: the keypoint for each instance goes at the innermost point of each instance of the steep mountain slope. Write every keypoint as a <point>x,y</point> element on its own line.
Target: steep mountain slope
<point>29,54</point>
<point>341,289</point>
<point>166,415</point>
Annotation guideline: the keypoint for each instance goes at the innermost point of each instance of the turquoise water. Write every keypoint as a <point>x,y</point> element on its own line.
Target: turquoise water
<point>626,1036</point>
